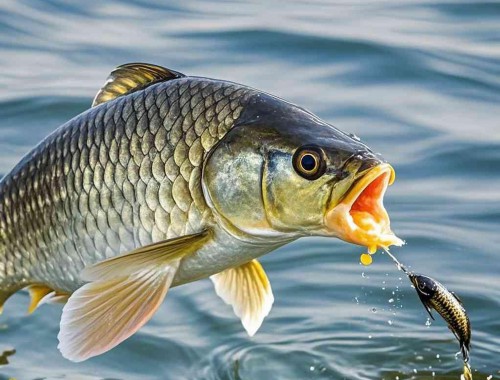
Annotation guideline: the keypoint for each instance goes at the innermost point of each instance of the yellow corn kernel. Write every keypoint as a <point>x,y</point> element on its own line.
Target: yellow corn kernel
<point>366,259</point>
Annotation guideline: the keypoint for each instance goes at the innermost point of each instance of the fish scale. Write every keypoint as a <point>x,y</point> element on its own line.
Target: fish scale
<point>121,175</point>
<point>448,307</point>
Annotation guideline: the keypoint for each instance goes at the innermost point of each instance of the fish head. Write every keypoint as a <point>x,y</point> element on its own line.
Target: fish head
<point>425,286</point>
<point>289,173</point>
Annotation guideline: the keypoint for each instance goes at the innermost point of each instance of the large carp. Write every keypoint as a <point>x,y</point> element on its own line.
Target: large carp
<point>168,179</point>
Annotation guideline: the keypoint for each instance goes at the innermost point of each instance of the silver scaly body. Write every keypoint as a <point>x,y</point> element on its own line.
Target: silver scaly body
<point>168,179</point>
<point>122,175</point>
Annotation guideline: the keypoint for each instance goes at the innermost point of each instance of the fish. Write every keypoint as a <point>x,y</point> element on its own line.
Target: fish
<point>434,295</point>
<point>168,179</point>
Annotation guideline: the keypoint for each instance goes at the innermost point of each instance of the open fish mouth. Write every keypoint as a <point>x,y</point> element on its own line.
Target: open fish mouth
<point>361,218</point>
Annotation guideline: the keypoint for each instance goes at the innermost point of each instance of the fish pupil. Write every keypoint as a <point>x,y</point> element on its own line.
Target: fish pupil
<point>308,162</point>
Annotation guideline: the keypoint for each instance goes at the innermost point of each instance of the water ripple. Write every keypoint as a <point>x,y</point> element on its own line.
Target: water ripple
<point>417,80</point>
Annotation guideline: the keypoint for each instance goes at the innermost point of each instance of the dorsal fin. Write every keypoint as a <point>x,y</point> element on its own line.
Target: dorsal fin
<point>456,297</point>
<point>132,77</point>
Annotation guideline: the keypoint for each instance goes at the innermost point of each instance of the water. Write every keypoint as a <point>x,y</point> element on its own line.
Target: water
<point>418,81</point>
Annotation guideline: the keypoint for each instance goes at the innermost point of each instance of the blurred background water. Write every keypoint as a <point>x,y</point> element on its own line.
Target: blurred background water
<point>418,81</point>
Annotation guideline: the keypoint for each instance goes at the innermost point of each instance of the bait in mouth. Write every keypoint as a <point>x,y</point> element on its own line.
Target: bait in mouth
<point>169,179</point>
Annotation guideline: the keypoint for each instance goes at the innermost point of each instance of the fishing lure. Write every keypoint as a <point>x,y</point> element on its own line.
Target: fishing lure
<point>434,295</point>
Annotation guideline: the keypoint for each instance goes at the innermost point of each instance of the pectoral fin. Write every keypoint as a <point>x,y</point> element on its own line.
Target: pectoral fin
<point>426,306</point>
<point>247,289</point>
<point>122,296</point>
<point>149,256</point>
<point>428,309</point>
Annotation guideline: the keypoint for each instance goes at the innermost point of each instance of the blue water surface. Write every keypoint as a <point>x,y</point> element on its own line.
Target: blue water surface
<point>417,80</point>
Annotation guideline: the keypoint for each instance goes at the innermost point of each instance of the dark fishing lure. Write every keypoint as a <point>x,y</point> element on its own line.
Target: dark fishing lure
<point>434,295</point>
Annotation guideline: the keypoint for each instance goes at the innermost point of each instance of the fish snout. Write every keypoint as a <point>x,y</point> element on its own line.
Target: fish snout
<point>360,217</point>
<point>361,162</point>
<point>369,161</point>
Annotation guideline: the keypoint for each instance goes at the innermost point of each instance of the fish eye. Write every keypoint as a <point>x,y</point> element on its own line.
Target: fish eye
<point>308,162</point>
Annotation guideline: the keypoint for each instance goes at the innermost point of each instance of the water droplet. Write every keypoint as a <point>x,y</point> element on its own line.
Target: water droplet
<point>391,300</point>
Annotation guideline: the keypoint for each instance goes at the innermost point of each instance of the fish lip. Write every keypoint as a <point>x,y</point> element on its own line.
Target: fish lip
<point>364,203</point>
